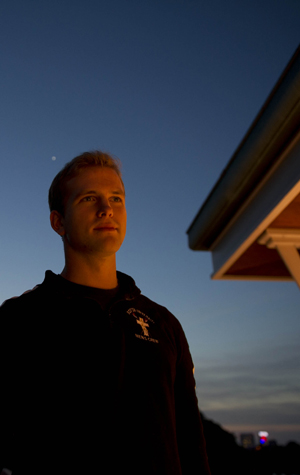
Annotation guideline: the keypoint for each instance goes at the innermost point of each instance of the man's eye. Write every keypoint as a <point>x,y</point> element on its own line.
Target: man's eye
<point>116,199</point>
<point>88,198</point>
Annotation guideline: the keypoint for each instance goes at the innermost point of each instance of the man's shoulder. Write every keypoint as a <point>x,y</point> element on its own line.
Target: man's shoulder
<point>167,323</point>
<point>29,295</point>
<point>144,305</point>
<point>19,299</point>
<point>158,312</point>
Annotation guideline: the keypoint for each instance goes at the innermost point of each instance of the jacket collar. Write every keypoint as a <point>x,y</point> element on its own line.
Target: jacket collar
<point>128,288</point>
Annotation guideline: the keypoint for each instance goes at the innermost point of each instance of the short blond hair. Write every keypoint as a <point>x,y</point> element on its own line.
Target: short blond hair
<point>95,158</point>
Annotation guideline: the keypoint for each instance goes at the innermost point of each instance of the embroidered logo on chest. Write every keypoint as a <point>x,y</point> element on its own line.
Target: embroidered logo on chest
<point>144,324</point>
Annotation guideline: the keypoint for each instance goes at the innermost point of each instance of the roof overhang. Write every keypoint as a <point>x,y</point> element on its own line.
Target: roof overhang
<point>258,191</point>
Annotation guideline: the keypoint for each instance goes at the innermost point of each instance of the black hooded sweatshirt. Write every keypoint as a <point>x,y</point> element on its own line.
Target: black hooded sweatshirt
<point>96,382</point>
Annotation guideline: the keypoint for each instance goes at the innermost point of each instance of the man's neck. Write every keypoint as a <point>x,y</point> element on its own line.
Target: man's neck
<point>91,272</point>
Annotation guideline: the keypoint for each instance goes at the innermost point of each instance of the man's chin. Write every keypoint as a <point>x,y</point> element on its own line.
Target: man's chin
<point>108,245</point>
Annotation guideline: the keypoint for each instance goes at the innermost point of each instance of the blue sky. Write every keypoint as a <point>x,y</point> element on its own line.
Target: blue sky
<point>170,87</point>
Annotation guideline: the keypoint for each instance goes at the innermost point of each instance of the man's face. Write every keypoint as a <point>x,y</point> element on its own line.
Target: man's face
<point>95,213</point>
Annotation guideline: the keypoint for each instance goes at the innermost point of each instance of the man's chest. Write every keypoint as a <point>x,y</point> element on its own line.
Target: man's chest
<point>80,352</point>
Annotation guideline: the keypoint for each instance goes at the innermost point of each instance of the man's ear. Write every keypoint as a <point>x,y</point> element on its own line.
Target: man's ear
<point>56,221</point>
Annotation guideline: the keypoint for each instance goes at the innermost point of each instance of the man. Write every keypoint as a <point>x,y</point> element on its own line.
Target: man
<point>97,378</point>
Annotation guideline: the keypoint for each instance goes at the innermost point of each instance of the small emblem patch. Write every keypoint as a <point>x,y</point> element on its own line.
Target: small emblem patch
<point>143,321</point>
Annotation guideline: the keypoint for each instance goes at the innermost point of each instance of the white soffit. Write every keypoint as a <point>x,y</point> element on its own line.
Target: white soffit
<point>257,232</point>
<point>286,241</point>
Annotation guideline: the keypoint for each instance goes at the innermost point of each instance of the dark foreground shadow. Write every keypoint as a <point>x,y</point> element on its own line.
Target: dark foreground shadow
<point>226,456</point>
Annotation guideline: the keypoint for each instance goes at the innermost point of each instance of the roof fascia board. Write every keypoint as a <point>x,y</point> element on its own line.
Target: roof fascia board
<point>272,129</point>
<point>281,187</point>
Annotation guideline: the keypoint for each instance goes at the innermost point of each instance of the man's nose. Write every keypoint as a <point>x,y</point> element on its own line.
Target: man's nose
<point>104,209</point>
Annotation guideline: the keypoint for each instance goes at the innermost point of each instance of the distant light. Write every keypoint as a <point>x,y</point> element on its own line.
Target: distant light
<point>263,437</point>
<point>263,433</point>
<point>53,158</point>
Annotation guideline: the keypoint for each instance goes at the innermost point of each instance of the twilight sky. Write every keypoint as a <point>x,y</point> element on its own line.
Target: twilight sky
<point>170,87</point>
